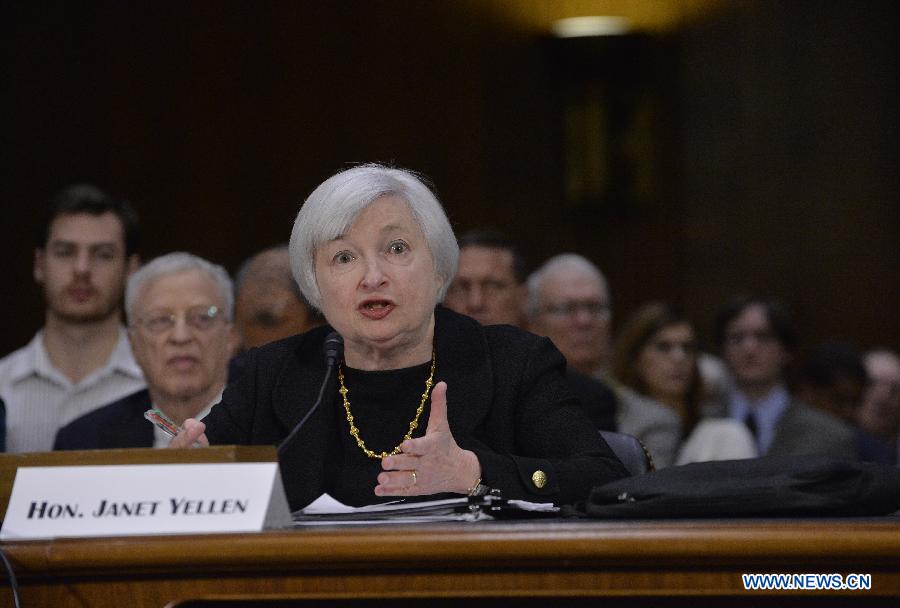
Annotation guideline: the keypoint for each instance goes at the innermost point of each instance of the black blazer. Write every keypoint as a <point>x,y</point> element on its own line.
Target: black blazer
<point>507,401</point>
<point>597,399</point>
<point>120,424</point>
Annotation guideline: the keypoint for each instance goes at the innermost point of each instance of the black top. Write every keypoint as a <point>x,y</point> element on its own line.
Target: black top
<point>507,401</point>
<point>382,403</point>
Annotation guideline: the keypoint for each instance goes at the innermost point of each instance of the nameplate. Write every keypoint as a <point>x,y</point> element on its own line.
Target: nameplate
<point>125,500</point>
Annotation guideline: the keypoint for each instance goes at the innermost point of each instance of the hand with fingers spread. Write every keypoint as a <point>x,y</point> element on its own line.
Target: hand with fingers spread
<point>431,464</point>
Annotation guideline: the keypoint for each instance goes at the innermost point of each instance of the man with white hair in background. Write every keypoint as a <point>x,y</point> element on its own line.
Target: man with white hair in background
<point>569,302</point>
<point>489,286</point>
<point>879,415</point>
<point>179,309</point>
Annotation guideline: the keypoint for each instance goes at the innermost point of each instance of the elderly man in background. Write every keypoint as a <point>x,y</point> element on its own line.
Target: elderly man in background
<point>490,287</point>
<point>81,358</point>
<point>268,305</point>
<point>569,302</point>
<point>179,309</point>
<point>879,415</point>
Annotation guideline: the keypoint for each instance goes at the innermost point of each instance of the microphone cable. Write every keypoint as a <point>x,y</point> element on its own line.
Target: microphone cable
<point>13,582</point>
<point>334,348</point>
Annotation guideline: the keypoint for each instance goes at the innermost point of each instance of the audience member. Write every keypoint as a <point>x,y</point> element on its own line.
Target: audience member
<point>879,414</point>
<point>832,378</point>
<point>268,305</point>
<point>569,302</point>
<point>81,358</point>
<point>179,310</point>
<point>489,286</point>
<point>2,426</point>
<point>656,356</point>
<point>757,339</point>
<point>490,283</point>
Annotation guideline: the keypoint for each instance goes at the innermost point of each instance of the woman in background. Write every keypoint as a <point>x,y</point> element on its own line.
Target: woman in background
<point>656,355</point>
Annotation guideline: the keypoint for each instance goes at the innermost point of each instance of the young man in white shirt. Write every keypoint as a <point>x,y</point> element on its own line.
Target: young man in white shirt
<point>81,358</point>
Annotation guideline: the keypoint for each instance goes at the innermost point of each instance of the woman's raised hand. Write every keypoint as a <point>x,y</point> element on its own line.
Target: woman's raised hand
<point>431,464</point>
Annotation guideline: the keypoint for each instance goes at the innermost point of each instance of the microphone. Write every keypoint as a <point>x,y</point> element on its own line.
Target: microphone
<point>334,348</point>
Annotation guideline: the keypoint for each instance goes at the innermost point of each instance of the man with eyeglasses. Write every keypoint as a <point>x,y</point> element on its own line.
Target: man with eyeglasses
<point>569,302</point>
<point>80,359</point>
<point>757,338</point>
<point>179,309</point>
<point>490,287</point>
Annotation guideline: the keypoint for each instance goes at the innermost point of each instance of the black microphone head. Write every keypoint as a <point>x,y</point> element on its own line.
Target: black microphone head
<point>334,347</point>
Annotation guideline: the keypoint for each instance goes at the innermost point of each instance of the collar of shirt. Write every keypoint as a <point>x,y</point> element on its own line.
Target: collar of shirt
<point>161,439</point>
<point>766,413</point>
<point>36,362</point>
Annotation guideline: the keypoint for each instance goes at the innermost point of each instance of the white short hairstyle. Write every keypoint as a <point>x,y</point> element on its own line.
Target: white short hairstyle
<point>571,262</point>
<point>176,263</point>
<point>332,208</point>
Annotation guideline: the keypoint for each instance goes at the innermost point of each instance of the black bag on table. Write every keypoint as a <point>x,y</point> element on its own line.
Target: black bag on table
<point>776,486</point>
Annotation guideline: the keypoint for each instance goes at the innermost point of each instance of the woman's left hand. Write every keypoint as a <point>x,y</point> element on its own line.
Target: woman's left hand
<point>431,464</point>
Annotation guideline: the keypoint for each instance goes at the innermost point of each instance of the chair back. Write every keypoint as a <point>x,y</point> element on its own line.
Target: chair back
<point>630,451</point>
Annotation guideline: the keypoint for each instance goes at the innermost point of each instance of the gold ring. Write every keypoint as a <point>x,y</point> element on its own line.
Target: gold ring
<point>414,477</point>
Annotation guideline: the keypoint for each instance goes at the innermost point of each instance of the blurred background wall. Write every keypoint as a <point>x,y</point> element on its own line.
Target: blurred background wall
<point>718,147</point>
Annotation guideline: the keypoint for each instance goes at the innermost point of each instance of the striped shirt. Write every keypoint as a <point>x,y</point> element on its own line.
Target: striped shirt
<point>40,399</point>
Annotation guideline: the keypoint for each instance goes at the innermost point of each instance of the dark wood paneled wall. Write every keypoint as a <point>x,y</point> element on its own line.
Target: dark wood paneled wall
<point>774,150</point>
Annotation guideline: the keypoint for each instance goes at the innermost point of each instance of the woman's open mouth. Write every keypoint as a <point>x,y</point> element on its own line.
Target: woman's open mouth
<point>376,309</point>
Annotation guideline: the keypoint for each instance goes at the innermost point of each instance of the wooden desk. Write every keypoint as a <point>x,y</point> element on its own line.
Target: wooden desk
<point>533,563</point>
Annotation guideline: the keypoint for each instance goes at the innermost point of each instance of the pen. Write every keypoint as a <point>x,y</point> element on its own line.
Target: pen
<point>166,424</point>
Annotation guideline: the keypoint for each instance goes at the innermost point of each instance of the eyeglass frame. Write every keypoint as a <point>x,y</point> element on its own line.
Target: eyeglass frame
<point>201,318</point>
<point>597,310</point>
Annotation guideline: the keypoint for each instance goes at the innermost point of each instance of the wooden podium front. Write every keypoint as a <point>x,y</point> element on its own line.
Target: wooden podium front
<point>526,563</point>
<point>546,563</point>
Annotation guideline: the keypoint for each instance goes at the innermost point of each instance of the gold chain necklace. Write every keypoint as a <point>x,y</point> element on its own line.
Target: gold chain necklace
<point>413,425</point>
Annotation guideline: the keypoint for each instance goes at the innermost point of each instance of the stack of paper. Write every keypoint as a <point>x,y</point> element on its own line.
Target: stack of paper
<point>327,510</point>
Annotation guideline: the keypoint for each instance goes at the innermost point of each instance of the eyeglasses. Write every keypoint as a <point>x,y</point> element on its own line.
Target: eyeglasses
<point>667,347</point>
<point>596,310</point>
<point>200,318</point>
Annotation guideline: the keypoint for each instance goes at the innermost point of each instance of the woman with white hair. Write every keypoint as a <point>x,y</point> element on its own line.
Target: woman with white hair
<point>425,401</point>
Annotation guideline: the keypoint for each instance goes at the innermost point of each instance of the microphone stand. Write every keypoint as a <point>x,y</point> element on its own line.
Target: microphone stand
<point>334,347</point>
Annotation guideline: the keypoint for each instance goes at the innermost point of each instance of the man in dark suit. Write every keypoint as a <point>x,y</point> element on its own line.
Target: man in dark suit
<point>179,309</point>
<point>757,338</point>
